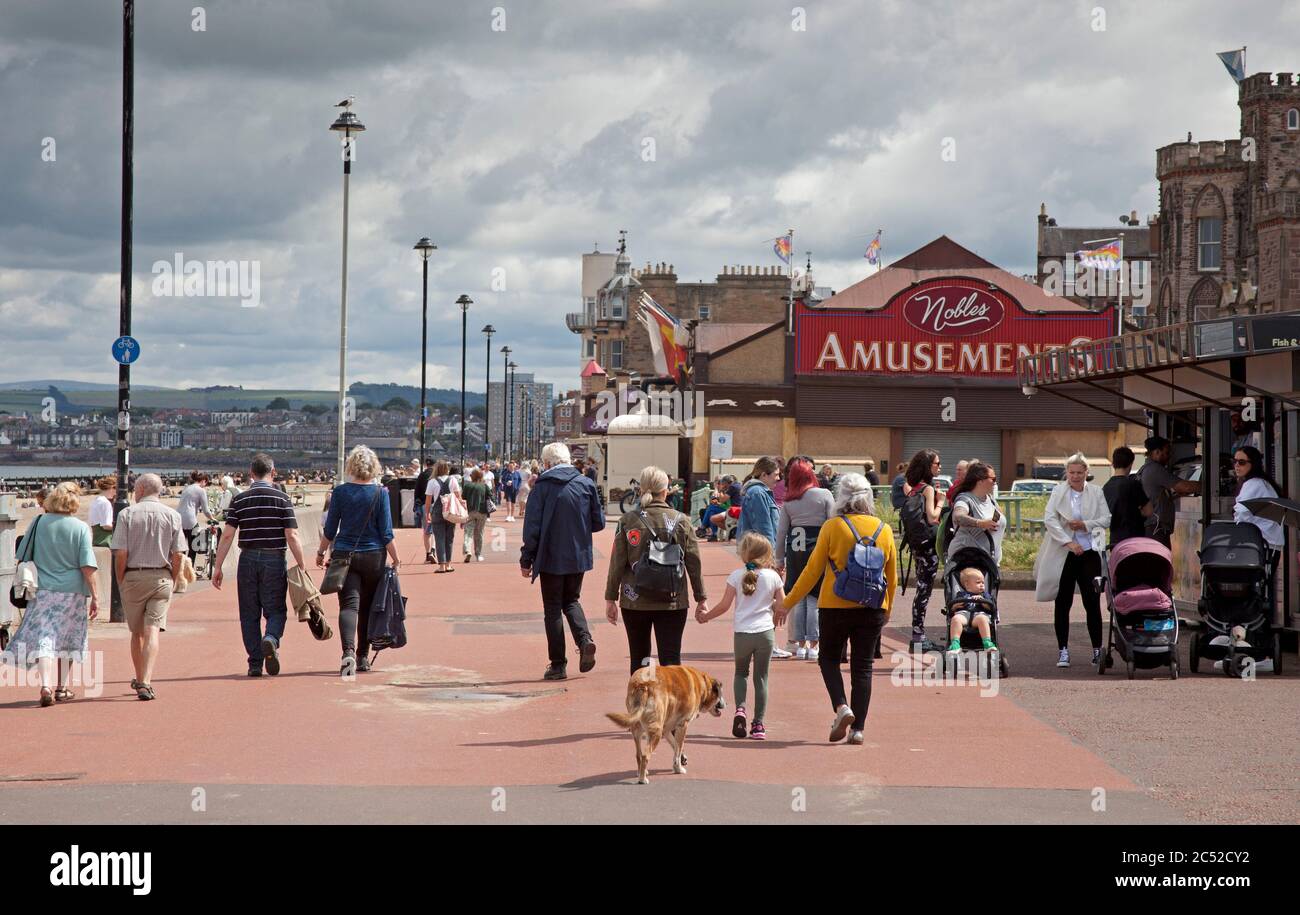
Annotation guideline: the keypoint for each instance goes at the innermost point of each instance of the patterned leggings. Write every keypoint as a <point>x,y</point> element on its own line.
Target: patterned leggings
<point>926,565</point>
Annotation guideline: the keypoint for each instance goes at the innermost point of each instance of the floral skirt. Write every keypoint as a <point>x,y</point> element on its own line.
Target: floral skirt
<point>54,625</point>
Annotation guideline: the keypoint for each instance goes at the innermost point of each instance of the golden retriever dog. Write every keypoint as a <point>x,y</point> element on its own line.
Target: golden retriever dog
<point>661,701</point>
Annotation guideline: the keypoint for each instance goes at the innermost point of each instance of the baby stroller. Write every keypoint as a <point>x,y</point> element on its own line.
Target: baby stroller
<point>967,558</point>
<point>1236,602</point>
<point>1139,596</point>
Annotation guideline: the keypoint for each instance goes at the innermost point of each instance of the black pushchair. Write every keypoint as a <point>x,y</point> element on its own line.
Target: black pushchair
<point>1236,602</point>
<point>967,558</point>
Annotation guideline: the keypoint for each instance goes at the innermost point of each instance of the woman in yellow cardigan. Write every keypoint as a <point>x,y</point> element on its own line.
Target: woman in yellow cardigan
<point>841,620</point>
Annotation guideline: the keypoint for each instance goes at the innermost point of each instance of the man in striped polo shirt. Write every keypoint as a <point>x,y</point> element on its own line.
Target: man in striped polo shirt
<point>263,518</point>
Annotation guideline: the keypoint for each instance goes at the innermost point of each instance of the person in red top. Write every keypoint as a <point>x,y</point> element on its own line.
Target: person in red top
<point>957,477</point>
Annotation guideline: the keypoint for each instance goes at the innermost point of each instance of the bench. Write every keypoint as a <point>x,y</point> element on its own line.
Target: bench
<point>1035,526</point>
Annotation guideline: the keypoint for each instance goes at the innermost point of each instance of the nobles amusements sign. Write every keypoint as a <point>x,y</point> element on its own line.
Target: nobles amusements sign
<point>954,326</point>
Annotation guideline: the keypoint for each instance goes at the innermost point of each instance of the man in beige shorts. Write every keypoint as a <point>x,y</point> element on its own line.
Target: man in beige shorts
<point>148,547</point>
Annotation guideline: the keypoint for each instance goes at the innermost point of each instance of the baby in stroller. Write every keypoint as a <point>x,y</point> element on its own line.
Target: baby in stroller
<point>970,606</point>
<point>970,590</point>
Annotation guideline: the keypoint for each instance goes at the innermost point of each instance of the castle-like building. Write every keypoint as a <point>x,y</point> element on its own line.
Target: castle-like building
<point>1227,238</point>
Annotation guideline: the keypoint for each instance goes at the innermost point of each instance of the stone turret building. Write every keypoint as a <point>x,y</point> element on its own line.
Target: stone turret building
<point>1227,239</point>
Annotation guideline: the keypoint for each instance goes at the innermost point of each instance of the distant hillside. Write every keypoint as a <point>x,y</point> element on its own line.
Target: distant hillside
<point>16,400</point>
<point>65,385</point>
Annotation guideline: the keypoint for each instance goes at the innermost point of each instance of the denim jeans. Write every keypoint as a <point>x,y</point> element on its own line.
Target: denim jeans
<point>804,620</point>
<point>263,586</point>
<point>419,514</point>
<point>444,535</point>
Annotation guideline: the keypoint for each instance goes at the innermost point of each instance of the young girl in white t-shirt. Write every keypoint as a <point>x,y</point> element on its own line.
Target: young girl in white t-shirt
<point>759,611</point>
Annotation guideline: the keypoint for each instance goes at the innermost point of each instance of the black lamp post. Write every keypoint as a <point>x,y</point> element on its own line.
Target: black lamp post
<point>115,613</point>
<point>488,330</point>
<point>464,302</point>
<point>426,249</point>
<point>347,123</point>
<point>505,402</point>
<point>510,410</point>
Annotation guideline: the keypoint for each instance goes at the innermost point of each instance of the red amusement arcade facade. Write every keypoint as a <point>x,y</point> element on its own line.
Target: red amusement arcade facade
<point>923,354</point>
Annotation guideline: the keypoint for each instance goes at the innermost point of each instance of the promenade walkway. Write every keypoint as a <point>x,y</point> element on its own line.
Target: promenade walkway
<point>459,726</point>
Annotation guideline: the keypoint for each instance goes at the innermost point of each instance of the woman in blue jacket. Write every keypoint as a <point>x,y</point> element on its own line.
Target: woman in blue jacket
<point>758,512</point>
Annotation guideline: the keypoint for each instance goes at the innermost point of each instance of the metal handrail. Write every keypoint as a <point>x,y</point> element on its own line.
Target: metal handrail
<point>1155,347</point>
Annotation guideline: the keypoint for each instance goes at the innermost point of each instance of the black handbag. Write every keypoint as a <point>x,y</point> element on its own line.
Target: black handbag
<point>336,573</point>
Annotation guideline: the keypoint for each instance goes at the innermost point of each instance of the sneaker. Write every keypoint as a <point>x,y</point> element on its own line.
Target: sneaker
<point>954,647</point>
<point>254,670</point>
<point>468,557</point>
<point>844,718</point>
<point>757,731</point>
<point>480,559</point>
<point>1064,659</point>
<point>1096,656</point>
<point>926,646</point>
<point>856,738</point>
<point>271,655</point>
<point>738,723</point>
<point>587,656</point>
<point>990,646</point>
<point>556,672</point>
<point>782,653</point>
<point>813,654</point>
<point>363,664</point>
<point>801,653</point>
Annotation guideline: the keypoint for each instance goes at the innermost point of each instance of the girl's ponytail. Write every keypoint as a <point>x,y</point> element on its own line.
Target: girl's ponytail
<point>756,550</point>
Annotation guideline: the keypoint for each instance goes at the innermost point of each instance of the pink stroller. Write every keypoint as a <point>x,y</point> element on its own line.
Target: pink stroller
<point>1139,595</point>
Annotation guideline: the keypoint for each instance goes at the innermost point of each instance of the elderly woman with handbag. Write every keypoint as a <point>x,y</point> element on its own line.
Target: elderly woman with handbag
<point>358,531</point>
<point>1076,520</point>
<point>57,619</point>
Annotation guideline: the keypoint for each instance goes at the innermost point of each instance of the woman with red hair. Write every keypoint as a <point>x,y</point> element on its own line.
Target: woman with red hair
<point>806,508</point>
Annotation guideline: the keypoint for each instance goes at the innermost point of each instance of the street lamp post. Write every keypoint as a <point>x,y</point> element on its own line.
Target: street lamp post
<point>347,123</point>
<point>505,403</point>
<point>120,502</point>
<point>488,330</point>
<point>510,410</point>
<point>426,249</point>
<point>464,302</point>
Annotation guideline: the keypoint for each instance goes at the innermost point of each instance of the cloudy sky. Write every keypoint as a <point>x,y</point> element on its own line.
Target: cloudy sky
<point>518,147</point>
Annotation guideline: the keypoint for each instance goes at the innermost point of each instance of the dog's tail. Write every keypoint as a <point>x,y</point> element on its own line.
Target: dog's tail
<point>642,696</point>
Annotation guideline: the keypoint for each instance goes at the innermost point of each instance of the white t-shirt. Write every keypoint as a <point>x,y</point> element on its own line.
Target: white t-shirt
<point>101,512</point>
<point>489,478</point>
<point>754,611</point>
<point>435,488</point>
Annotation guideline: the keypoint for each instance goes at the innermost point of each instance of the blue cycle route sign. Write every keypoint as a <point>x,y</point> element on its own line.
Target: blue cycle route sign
<point>126,350</point>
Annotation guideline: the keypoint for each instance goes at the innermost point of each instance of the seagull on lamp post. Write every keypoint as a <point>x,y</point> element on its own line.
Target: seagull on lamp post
<point>347,102</point>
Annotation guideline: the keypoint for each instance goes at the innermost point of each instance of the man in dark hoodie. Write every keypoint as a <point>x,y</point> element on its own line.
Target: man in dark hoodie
<point>562,513</point>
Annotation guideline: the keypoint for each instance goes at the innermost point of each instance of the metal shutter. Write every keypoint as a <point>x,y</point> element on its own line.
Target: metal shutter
<point>954,445</point>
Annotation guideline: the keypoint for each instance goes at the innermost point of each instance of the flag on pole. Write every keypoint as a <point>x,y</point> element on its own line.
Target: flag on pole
<point>873,249</point>
<point>1235,61</point>
<point>1107,257</point>
<point>669,338</point>
<point>783,246</point>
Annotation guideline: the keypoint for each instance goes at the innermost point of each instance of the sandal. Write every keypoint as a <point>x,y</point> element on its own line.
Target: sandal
<point>145,692</point>
<point>64,695</point>
<point>47,697</point>
<point>136,684</point>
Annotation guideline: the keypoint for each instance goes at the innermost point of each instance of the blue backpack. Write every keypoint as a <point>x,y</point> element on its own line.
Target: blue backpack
<point>862,580</point>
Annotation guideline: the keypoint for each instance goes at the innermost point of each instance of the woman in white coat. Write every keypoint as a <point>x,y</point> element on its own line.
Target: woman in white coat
<point>1076,521</point>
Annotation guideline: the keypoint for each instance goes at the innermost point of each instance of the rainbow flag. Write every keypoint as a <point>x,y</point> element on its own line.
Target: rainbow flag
<point>873,250</point>
<point>1104,258</point>
<point>782,246</point>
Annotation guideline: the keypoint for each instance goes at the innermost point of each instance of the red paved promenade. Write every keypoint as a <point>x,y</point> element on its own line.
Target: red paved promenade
<point>462,710</point>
